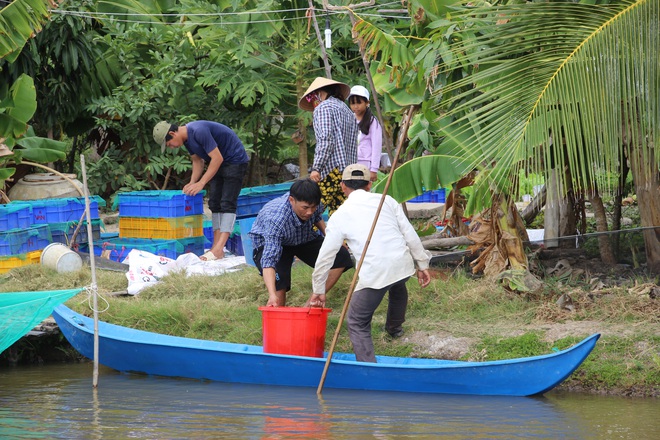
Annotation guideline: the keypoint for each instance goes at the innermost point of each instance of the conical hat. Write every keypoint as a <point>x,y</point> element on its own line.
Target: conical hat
<point>319,83</point>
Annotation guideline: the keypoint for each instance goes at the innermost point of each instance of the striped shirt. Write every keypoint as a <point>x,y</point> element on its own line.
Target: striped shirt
<point>336,132</point>
<point>277,225</point>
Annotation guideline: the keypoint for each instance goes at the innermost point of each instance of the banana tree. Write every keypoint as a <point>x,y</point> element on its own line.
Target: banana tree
<point>17,140</point>
<point>19,21</point>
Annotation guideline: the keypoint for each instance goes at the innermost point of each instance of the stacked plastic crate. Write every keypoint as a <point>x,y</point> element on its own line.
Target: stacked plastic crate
<point>66,219</point>
<point>432,196</point>
<point>165,223</point>
<point>21,243</point>
<point>250,202</point>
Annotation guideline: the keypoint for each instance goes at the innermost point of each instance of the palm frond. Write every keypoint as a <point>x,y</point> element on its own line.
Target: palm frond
<point>558,84</point>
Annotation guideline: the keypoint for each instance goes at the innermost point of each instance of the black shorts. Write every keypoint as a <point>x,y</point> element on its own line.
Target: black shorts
<point>307,253</point>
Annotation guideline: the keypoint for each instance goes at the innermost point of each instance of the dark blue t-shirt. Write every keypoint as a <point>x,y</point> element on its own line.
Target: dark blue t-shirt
<point>204,136</point>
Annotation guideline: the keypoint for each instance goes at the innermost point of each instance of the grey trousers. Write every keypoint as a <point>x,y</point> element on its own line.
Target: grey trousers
<point>364,303</point>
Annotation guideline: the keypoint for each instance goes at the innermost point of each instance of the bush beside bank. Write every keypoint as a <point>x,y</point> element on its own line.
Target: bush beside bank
<point>456,317</point>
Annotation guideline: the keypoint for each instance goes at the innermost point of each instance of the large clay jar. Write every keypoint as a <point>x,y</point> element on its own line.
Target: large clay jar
<point>45,186</point>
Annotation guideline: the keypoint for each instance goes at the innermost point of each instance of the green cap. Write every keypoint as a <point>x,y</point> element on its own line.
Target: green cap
<point>160,133</point>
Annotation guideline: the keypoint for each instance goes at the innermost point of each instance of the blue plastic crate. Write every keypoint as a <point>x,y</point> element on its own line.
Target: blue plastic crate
<point>116,249</point>
<point>434,196</point>
<point>235,245</point>
<point>15,215</point>
<point>246,241</point>
<point>159,204</point>
<point>207,226</point>
<point>251,200</point>
<point>191,244</point>
<point>21,241</point>
<point>66,209</point>
<point>63,232</point>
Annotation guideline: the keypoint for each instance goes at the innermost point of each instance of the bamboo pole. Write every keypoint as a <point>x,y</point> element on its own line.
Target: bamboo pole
<point>402,136</point>
<point>95,374</point>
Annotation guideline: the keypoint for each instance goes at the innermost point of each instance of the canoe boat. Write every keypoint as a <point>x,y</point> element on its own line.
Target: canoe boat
<point>21,311</point>
<point>135,351</point>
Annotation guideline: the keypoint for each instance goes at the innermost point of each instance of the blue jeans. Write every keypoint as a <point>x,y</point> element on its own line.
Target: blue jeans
<point>226,186</point>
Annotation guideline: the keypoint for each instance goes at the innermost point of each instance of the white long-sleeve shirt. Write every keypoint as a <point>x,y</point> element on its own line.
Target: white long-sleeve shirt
<point>395,250</point>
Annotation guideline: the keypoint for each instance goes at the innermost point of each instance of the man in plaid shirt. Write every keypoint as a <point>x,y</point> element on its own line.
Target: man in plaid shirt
<point>285,229</point>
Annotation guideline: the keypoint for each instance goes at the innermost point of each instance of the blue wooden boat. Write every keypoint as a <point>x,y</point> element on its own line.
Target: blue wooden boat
<point>135,351</point>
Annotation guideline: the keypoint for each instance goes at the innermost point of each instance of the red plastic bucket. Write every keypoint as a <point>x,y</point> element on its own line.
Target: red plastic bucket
<point>298,331</point>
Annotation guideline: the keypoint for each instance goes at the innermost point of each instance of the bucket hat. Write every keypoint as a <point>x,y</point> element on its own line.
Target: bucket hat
<point>317,84</point>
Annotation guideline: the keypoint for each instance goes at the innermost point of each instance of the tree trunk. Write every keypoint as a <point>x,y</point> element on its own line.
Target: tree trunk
<point>606,253</point>
<point>559,219</point>
<point>618,200</point>
<point>303,160</point>
<point>532,210</point>
<point>644,169</point>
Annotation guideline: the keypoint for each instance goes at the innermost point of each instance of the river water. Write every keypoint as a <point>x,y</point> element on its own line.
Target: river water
<point>58,401</point>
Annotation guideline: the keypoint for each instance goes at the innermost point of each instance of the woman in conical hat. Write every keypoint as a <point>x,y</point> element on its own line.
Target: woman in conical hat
<point>336,133</point>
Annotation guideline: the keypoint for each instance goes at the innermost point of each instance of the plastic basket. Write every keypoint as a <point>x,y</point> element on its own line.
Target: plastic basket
<point>246,242</point>
<point>156,204</point>
<point>116,249</point>
<point>235,245</point>
<point>434,196</point>
<point>21,241</point>
<point>15,215</point>
<point>66,209</point>
<point>161,228</point>
<point>63,232</point>
<point>9,263</point>
<point>252,199</point>
<point>207,227</point>
<point>193,245</point>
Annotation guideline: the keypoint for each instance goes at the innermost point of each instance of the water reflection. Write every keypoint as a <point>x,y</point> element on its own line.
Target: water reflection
<point>59,402</point>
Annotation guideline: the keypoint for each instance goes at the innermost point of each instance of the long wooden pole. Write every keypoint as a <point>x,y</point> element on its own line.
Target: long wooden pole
<point>402,137</point>
<point>94,288</point>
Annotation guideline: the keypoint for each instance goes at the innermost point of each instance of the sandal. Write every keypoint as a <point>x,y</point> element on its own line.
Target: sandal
<point>208,256</point>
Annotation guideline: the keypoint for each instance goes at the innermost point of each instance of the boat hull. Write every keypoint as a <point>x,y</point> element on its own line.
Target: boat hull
<point>135,351</point>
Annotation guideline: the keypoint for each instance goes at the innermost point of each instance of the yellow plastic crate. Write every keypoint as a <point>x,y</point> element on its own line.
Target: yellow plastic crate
<point>165,228</point>
<point>9,263</point>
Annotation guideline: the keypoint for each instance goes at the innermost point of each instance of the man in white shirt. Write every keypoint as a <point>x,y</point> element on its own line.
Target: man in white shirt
<point>394,254</point>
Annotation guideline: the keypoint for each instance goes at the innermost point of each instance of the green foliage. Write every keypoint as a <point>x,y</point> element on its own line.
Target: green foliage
<point>17,105</point>
<point>107,174</point>
<point>62,59</point>
<point>19,21</point>
<point>421,173</point>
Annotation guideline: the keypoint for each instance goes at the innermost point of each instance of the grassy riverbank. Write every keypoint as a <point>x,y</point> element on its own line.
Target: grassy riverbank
<point>456,317</point>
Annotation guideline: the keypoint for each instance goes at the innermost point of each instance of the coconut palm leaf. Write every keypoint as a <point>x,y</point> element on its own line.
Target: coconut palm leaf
<point>555,85</point>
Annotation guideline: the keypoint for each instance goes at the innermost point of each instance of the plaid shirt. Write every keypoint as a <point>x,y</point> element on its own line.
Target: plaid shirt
<point>336,132</point>
<point>277,226</point>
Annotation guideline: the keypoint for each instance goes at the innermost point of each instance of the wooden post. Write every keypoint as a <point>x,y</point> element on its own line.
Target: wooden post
<point>324,54</point>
